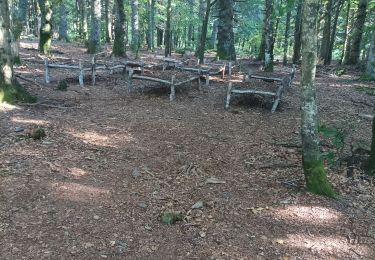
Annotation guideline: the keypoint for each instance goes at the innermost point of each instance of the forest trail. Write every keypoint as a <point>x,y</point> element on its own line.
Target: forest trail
<point>112,162</point>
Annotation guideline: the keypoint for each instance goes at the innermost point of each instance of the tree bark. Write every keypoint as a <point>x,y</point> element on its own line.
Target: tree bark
<point>151,25</point>
<point>315,175</point>
<point>225,45</point>
<point>297,34</point>
<point>108,20</point>
<point>45,35</point>
<point>94,40</point>
<point>324,49</point>
<point>200,24</point>
<point>353,48</point>
<point>333,32</point>
<point>119,41</point>
<point>286,37</point>
<point>346,32</point>
<point>6,66</point>
<point>202,44</point>
<point>135,26</point>
<point>268,54</point>
<point>63,28</point>
<point>214,34</point>
<point>167,34</point>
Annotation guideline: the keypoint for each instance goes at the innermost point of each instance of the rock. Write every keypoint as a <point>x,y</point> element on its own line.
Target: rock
<point>263,237</point>
<point>142,205</point>
<point>36,133</point>
<point>147,227</point>
<point>197,205</point>
<point>19,129</point>
<point>136,173</point>
<point>96,217</point>
<point>214,180</point>
<point>202,234</point>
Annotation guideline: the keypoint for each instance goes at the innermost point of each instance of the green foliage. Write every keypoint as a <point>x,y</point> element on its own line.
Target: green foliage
<point>14,93</point>
<point>366,78</point>
<point>171,217</point>
<point>63,85</point>
<point>36,133</point>
<point>334,138</point>
<point>368,90</point>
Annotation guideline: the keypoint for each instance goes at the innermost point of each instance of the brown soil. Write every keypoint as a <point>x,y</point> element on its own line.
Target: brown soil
<point>112,162</point>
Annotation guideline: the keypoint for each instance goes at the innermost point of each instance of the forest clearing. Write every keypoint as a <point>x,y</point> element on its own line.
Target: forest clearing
<point>159,141</point>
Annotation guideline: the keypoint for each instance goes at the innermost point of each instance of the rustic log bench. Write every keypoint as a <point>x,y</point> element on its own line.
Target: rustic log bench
<point>281,84</point>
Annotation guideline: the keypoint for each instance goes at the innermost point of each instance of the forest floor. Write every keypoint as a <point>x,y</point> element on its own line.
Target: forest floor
<point>111,163</point>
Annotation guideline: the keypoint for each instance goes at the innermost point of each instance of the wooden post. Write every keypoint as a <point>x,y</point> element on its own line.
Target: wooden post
<point>172,95</point>
<point>199,80</point>
<point>46,74</point>
<point>229,91</point>
<point>164,66</point>
<point>207,78</point>
<point>223,71</point>
<point>81,73</point>
<point>93,70</point>
<point>130,80</point>
<point>142,68</point>
<point>230,69</point>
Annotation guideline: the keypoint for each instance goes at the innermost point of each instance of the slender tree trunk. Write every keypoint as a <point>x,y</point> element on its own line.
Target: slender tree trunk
<point>201,12</point>
<point>286,37</point>
<point>268,56</point>
<point>225,45</point>
<point>63,28</point>
<point>354,46</point>
<point>333,32</point>
<point>19,22</point>
<point>324,49</point>
<point>346,32</point>
<point>167,34</point>
<point>204,33</point>
<point>315,175</point>
<point>45,35</point>
<point>108,20</point>
<point>214,34</point>
<point>119,41</point>
<point>135,26</point>
<point>370,68</point>
<point>297,34</point>
<point>94,40</point>
<point>151,24</point>
<point>6,66</point>
<point>262,46</point>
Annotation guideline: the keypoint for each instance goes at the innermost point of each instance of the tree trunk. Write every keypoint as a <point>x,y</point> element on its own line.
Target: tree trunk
<point>151,25</point>
<point>214,34</point>
<point>202,44</point>
<point>268,55</point>
<point>354,45</point>
<point>6,66</point>
<point>297,34</point>
<point>324,49</point>
<point>315,175</point>
<point>167,35</point>
<point>119,41</point>
<point>225,45</point>
<point>346,32</point>
<point>19,22</point>
<point>262,46</point>
<point>200,18</point>
<point>135,26</point>
<point>94,40</point>
<point>45,35</point>
<point>333,32</point>
<point>370,68</point>
<point>63,28</point>
<point>286,37</point>
<point>108,20</point>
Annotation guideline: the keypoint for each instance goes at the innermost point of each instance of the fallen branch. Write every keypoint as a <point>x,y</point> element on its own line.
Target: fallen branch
<point>44,105</point>
<point>31,81</point>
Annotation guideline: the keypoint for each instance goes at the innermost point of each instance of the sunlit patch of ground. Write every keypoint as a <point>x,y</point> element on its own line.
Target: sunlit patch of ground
<point>80,193</point>
<point>4,107</point>
<point>20,120</point>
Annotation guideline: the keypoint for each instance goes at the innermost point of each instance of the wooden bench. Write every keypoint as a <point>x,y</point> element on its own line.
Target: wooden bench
<point>282,83</point>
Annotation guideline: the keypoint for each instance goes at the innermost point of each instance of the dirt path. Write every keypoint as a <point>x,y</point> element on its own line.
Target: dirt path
<point>111,163</point>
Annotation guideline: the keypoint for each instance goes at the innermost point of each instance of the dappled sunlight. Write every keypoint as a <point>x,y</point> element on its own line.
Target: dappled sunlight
<point>108,140</point>
<point>5,107</point>
<point>80,193</point>
<point>329,244</point>
<point>77,172</point>
<point>308,214</point>
<point>29,121</point>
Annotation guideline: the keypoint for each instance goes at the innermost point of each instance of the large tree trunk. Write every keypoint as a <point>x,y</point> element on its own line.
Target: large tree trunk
<point>315,175</point>
<point>108,20</point>
<point>268,54</point>
<point>119,42</point>
<point>297,34</point>
<point>370,68</point>
<point>286,37</point>
<point>94,40</point>
<point>353,47</point>
<point>167,34</point>
<point>63,28</point>
<point>225,45</point>
<point>200,18</point>
<point>45,35</point>
<point>6,66</point>
<point>324,49</point>
<point>19,22</point>
<point>135,26</point>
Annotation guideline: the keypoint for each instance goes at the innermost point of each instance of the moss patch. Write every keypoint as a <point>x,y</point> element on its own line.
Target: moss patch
<point>14,93</point>
<point>316,179</point>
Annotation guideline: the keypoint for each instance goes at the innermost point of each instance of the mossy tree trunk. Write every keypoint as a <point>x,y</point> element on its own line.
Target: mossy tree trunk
<point>119,41</point>
<point>268,54</point>
<point>167,34</point>
<point>370,68</point>
<point>297,33</point>
<point>315,175</point>
<point>225,37</point>
<point>94,39</point>
<point>6,65</point>
<point>352,51</point>
<point>135,26</point>
<point>45,34</point>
